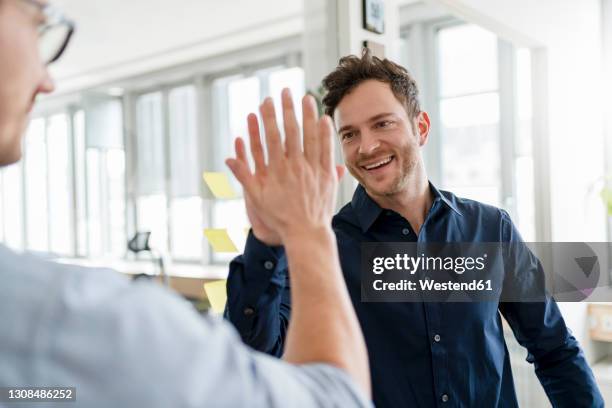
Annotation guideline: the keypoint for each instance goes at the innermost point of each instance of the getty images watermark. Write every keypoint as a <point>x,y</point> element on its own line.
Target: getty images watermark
<point>486,271</point>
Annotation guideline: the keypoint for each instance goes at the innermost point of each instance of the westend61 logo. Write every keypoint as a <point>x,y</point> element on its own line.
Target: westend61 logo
<point>412,264</point>
<point>489,271</point>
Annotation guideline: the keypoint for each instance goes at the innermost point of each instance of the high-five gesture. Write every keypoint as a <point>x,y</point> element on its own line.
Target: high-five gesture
<point>290,200</point>
<point>296,188</point>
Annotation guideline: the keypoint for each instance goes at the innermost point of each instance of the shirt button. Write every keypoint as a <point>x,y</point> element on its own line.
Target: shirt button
<point>248,311</point>
<point>444,398</point>
<point>405,231</point>
<point>437,338</point>
<point>269,265</point>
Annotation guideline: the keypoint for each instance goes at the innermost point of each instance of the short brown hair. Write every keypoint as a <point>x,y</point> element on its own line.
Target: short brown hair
<point>352,71</point>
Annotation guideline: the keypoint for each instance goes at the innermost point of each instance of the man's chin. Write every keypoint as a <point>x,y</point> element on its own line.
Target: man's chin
<point>380,189</point>
<point>8,158</point>
<point>10,146</point>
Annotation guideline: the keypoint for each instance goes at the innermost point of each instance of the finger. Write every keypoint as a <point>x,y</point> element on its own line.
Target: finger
<point>273,141</point>
<point>242,174</point>
<point>325,136</point>
<point>340,170</point>
<point>255,142</point>
<point>292,130</point>
<point>241,154</point>
<point>309,120</point>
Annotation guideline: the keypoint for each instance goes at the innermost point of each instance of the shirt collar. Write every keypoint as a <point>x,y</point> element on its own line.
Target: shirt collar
<point>439,196</point>
<point>367,210</point>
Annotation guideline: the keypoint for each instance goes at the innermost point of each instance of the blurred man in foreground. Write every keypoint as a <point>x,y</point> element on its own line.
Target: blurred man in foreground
<point>135,344</point>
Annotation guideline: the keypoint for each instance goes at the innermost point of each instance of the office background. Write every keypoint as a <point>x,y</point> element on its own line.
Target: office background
<point>151,94</point>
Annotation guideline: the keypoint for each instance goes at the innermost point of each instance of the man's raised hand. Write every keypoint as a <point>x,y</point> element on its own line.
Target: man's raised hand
<point>295,190</point>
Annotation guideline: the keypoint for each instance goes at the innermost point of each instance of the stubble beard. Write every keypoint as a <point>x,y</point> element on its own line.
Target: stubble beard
<point>401,181</point>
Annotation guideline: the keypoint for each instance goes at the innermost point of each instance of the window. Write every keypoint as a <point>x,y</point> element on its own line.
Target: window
<point>12,206</point>
<point>67,196</point>
<point>105,177</point>
<point>469,112</point>
<point>61,239</point>
<point>479,100</point>
<point>151,203</point>
<point>523,160</point>
<point>168,202</point>
<point>47,188</point>
<point>186,203</point>
<point>106,202</point>
<point>80,188</point>
<point>35,160</point>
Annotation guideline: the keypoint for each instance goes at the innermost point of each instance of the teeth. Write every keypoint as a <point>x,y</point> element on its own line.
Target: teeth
<point>380,163</point>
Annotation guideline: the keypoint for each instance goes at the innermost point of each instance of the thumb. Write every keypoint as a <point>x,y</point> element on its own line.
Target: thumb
<point>340,170</point>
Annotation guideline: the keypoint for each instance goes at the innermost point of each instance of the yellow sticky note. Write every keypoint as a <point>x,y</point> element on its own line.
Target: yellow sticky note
<point>216,293</point>
<point>220,240</point>
<point>219,184</point>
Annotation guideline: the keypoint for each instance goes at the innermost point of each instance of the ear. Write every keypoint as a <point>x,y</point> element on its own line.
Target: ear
<point>423,126</point>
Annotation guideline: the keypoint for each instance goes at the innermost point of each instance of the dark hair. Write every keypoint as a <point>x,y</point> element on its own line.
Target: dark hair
<point>352,71</point>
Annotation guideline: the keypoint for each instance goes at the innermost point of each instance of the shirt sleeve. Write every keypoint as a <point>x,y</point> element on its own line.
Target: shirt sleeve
<point>259,296</point>
<point>538,326</point>
<point>136,344</point>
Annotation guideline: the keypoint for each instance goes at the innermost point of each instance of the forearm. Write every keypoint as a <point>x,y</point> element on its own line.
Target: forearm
<point>323,325</point>
<point>262,323</point>
<point>567,377</point>
<point>258,298</point>
<point>559,362</point>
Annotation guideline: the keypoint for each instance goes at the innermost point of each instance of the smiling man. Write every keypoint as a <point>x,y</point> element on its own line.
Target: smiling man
<point>421,354</point>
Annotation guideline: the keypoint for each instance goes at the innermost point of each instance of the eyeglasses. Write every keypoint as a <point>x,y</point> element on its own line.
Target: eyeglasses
<point>54,33</point>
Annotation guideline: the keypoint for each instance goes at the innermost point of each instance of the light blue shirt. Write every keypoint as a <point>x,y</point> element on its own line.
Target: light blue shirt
<point>135,344</point>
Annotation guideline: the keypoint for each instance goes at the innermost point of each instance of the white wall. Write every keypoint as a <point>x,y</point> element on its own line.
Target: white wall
<point>115,38</point>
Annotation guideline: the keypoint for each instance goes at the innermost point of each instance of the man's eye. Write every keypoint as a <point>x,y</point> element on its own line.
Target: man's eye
<point>384,124</point>
<point>347,135</point>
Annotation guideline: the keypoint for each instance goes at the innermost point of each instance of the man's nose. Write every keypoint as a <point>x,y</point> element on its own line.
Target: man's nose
<point>46,84</point>
<point>369,143</point>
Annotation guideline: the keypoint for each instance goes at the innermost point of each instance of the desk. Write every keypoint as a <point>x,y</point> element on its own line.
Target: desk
<point>186,279</point>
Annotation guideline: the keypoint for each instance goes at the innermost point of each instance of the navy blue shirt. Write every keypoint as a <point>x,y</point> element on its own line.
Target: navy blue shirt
<point>422,354</point>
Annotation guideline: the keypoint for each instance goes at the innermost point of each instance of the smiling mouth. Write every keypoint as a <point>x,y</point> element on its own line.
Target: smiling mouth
<point>379,164</point>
